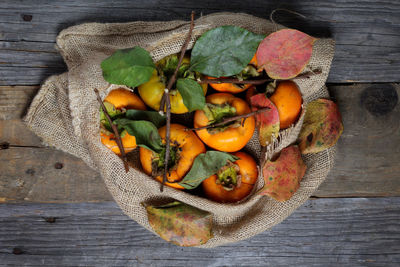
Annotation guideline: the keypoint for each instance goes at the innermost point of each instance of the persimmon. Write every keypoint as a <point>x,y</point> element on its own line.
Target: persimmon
<point>232,136</point>
<point>121,99</point>
<point>287,99</point>
<point>234,181</point>
<point>109,140</point>
<point>185,147</point>
<point>249,71</point>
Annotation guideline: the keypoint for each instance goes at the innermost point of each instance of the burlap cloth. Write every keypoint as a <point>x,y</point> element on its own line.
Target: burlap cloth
<point>65,114</point>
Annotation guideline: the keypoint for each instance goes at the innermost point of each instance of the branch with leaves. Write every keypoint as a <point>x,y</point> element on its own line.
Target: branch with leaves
<point>166,103</point>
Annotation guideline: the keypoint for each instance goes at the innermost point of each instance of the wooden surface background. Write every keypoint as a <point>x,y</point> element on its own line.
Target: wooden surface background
<point>352,221</point>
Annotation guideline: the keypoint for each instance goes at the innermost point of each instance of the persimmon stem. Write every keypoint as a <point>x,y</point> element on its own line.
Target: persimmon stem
<point>115,130</point>
<point>165,99</point>
<point>230,119</point>
<point>305,75</point>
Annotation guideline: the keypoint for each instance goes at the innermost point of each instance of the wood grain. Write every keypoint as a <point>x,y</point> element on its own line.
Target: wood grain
<point>367,162</point>
<point>324,232</point>
<point>367,32</point>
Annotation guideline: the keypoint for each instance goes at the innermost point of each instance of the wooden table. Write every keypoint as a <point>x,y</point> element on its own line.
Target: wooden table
<point>56,211</point>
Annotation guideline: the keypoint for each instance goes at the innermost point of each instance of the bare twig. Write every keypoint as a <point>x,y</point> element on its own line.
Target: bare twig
<point>115,130</point>
<point>271,16</point>
<point>235,81</point>
<point>225,121</point>
<point>305,75</point>
<point>168,102</point>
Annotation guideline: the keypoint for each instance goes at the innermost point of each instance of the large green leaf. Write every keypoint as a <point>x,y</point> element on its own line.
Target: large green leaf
<point>153,116</point>
<point>192,94</point>
<point>181,224</point>
<point>145,132</point>
<point>224,51</point>
<point>204,166</point>
<point>131,67</point>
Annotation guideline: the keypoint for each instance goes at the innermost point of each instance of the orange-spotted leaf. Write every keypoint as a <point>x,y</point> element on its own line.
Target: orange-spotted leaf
<point>282,177</point>
<point>181,224</point>
<point>267,121</point>
<point>285,53</point>
<point>321,128</point>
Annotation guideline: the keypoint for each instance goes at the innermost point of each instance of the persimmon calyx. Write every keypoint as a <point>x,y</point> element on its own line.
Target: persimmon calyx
<point>217,113</point>
<point>158,161</point>
<point>228,176</point>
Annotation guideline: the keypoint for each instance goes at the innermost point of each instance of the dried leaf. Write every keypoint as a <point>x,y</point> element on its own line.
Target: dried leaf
<point>268,121</point>
<point>282,177</point>
<point>322,126</point>
<point>285,53</point>
<point>181,224</point>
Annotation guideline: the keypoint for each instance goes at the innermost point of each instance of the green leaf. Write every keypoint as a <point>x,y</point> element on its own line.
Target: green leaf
<point>192,94</point>
<point>224,51</point>
<point>181,224</point>
<point>131,67</point>
<point>204,166</point>
<point>145,132</point>
<point>153,116</point>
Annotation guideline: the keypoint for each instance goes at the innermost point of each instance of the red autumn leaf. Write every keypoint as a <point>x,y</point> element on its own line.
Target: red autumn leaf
<point>267,121</point>
<point>285,53</point>
<point>282,177</point>
<point>181,224</point>
<point>321,128</point>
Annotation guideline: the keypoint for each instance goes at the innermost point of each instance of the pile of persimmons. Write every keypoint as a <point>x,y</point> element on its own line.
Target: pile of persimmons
<point>229,89</point>
<point>235,180</point>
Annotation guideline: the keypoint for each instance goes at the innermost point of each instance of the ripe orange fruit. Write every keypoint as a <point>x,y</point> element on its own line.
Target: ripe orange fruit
<point>253,61</point>
<point>128,142</point>
<point>122,98</point>
<point>287,99</point>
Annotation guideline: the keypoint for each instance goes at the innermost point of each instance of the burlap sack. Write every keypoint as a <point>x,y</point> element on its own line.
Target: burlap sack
<point>65,113</point>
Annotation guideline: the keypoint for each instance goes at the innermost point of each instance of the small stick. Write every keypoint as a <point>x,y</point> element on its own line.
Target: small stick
<point>243,116</point>
<point>256,82</point>
<point>115,130</point>
<point>282,9</point>
<point>236,81</point>
<point>168,102</point>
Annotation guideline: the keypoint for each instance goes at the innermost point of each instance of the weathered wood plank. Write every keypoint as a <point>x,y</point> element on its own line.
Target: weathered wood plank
<point>31,174</point>
<point>366,31</point>
<point>367,162</point>
<point>324,232</point>
<point>14,100</point>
